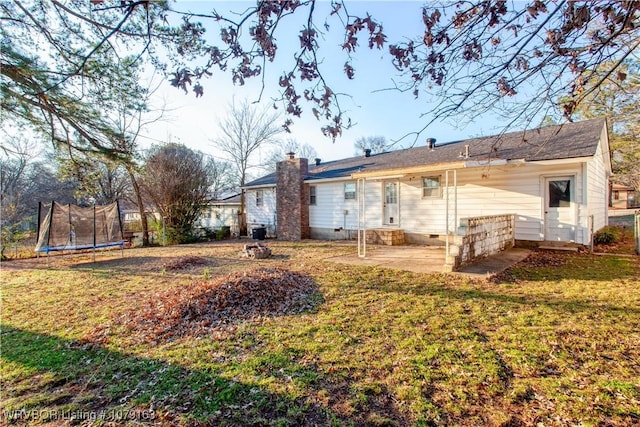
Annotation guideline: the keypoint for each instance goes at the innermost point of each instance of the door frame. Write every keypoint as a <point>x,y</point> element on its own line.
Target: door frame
<point>573,207</point>
<point>396,222</point>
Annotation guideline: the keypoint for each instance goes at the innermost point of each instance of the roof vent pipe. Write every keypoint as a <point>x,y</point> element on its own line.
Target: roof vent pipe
<point>291,155</point>
<point>318,160</point>
<point>431,143</point>
<point>466,151</point>
<point>367,152</point>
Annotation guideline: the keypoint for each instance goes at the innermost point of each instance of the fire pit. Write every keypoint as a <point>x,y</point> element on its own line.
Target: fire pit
<point>256,250</point>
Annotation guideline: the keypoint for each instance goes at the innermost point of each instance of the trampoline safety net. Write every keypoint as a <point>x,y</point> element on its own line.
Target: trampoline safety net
<point>71,227</point>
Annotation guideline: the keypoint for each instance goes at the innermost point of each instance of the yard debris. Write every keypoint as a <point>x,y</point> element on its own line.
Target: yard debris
<point>257,251</point>
<point>536,259</point>
<point>216,306</point>
<point>184,262</point>
<point>545,258</point>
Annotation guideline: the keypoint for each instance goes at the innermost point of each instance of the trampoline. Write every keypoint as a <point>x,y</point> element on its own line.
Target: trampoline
<point>72,228</point>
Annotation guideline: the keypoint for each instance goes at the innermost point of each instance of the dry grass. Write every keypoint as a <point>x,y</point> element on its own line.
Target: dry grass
<point>554,341</point>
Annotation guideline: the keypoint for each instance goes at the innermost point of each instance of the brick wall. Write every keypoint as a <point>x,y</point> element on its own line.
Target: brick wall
<point>292,199</point>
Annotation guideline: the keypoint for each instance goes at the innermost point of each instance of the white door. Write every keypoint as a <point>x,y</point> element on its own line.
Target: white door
<point>391,209</point>
<point>560,212</point>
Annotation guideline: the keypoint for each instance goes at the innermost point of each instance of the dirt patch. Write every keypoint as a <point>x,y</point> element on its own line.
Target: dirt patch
<point>216,306</point>
<point>185,262</point>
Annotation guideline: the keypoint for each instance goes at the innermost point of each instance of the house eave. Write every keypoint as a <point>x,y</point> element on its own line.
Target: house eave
<point>415,170</point>
<point>566,161</point>
<point>258,187</point>
<point>407,171</point>
<point>322,180</point>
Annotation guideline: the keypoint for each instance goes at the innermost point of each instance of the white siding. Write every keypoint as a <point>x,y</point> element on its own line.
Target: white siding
<point>331,206</point>
<point>481,191</point>
<point>217,216</point>
<point>264,214</point>
<point>598,185</point>
<point>487,191</point>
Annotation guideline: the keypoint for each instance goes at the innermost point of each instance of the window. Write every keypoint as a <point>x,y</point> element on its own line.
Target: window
<point>259,198</point>
<point>350,190</point>
<point>616,195</point>
<point>431,187</point>
<point>560,193</point>
<point>312,195</point>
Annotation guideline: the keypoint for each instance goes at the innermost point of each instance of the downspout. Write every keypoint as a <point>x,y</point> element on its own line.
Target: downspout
<point>362,218</point>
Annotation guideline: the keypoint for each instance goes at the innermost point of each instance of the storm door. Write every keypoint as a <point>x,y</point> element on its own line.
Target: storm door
<point>391,208</point>
<point>559,215</point>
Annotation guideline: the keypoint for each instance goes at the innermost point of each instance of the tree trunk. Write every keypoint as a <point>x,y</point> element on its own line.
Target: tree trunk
<point>140,203</point>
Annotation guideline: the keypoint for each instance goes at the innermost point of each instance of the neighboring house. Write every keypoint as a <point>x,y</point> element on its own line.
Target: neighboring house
<point>131,215</point>
<point>222,212</point>
<point>623,197</point>
<point>551,183</point>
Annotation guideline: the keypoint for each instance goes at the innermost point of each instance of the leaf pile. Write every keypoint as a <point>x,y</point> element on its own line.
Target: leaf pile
<point>537,259</point>
<point>545,258</point>
<point>216,306</point>
<point>184,262</point>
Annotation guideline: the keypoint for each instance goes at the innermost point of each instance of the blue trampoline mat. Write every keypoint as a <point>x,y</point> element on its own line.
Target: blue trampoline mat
<point>48,249</point>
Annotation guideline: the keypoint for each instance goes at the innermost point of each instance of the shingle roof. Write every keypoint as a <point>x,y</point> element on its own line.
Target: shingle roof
<point>565,141</point>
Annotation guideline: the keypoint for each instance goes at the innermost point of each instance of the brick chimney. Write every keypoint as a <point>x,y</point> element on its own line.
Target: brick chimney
<point>292,199</point>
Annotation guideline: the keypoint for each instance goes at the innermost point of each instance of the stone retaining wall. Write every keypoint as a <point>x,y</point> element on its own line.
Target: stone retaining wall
<point>481,237</point>
<point>384,236</point>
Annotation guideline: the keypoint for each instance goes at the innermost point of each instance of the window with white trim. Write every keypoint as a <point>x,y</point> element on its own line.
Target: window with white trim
<point>312,194</point>
<point>259,198</point>
<point>431,187</point>
<point>350,191</point>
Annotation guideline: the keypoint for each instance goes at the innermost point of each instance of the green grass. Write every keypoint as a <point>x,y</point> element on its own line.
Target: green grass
<point>557,346</point>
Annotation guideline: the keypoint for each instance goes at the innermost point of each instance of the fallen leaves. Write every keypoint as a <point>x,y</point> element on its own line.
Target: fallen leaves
<point>184,262</point>
<point>537,259</point>
<point>216,306</point>
<point>545,259</point>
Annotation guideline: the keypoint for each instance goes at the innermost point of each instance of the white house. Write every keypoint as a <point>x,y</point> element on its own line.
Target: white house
<point>221,212</point>
<point>552,182</point>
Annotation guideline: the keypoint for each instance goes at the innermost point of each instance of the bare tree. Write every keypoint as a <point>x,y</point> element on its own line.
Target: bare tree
<point>242,132</point>
<point>224,177</point>
<point>377,144</point>
<point>99,181</point>
<point>26,177</point>
<point>511,58</point>
<point>281,152</point>
<point>474,56</point>
<point>177,180</point>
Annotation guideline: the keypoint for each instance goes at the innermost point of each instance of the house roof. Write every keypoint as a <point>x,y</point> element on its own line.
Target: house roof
<point>229,200</point>
<point>621,187</point>
<point>567,141</point>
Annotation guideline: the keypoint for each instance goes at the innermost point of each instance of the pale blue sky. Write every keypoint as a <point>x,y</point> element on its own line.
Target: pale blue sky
<point>391,114</point>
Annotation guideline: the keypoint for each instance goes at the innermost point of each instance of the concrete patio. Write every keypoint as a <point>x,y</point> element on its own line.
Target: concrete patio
<point>431,259</point>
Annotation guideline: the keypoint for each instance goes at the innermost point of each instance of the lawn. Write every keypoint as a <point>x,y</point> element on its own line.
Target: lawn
<point>553,341</point>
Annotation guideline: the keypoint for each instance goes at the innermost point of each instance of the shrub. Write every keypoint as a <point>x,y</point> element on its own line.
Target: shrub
<point>209,233</point>
<point>223,233</point>
<point>607,235</point>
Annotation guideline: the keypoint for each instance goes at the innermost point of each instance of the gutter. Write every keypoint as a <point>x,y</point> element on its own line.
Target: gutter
<point>463,164</point>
